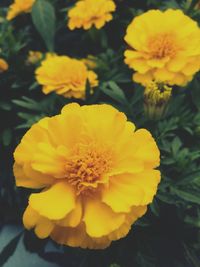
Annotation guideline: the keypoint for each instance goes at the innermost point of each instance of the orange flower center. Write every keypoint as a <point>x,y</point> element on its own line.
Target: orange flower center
<point>162,45</point>
<point>87,166</point>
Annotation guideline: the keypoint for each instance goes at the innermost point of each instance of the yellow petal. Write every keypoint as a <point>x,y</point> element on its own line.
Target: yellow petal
<point>176,64</point>
<point>131,217</point>
<point>143,78</point>
<point>163,75</point>
<point>146,148</point>
<point>25,176</point>
<point>73,218</point>
<point>66,129</point>
<point>30,218</point>
<point>25,150</point>
<point>44,228</point>
<point>54,203</point>
<point>125,191</point>
<point>77,237</point>
<point>50,160</point>
<point>99,219</point>
<point>139,65</point>
<point>74,237</point>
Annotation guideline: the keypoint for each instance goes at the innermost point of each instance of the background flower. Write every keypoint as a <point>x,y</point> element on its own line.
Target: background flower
<point>88,13</point>
<point>163,46</point>
<point>3,65</point>
<point>65,76</point>
<point>34,57</point>
<point>98,175</point>
<point>18,7</point>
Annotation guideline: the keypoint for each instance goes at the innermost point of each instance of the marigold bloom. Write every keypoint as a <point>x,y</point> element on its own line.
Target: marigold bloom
<point>156,98</point>
<point>97,175</point>
<point>88,13</point>
<point>163,46</point>
<point>3,65</point>
<point>34,57</point>
<point>18,7</point>
<point>65,76</point>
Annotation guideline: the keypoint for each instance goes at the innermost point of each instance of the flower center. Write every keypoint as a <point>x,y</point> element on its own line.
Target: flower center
<point>162,45</point>
<point>87,167</point>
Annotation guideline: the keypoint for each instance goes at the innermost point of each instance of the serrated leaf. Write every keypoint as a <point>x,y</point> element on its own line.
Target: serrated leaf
<point>186,195</point>
<point>176,145</point>
<point>191,177</point>
<point>44,19</point>
<point>115,92</point>
<point>27,103</point>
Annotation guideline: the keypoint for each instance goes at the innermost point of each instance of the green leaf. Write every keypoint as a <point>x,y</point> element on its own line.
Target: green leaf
<point>5,106</point>
<point>7,137</point>
<point>115,92</point>
<point>189,178</point>
<point>186,195</point>
<point>176,145</point>
<point>196,93</point>
<point>155,208</point>
<point>191,256</point>
<point>27,103</point>
<point>44,19</point>
<point>9,249</point>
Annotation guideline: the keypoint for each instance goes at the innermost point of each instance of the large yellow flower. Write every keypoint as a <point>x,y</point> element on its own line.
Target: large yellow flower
<point>87,13</point>
<point>65,76</point>
<point>18,7</point>
<point>163,46</point>
<point>3,65</point>
<point>95,171</point>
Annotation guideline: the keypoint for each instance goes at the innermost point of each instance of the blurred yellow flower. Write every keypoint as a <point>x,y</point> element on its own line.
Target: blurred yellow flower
<point>34,57</point>
<point>95,171</point>
<point>65,76</point>
<point>3,65</point>
<point>163,46</point>
<point>88,13</point>
<point>18,7</point>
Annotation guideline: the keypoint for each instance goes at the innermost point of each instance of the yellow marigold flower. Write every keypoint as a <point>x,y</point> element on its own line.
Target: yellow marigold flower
<point>65,76</point>
<point>163,46</point>
<point>96,174</point>
<point>34,57</point>
<point>18,7</point>
<point>156,98</point>
<point>3,65</point>
<point>88,13</point>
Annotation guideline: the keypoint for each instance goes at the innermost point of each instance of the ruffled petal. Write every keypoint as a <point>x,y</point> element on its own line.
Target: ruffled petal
<point>25,176</point>
<point>54,203</point>
<point>125,191</point>
<point>131,217</point>
<point>25,150</point>
<point>74,217</point>
<point>43,226</point>
<point>77,237</point>
<point>50,160</point>
<point>99,218</point>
